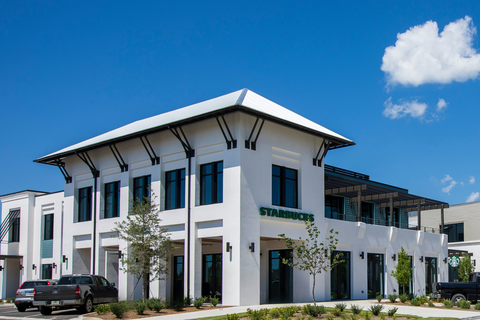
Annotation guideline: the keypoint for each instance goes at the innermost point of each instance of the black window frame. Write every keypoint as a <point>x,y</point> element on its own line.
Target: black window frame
<point>144,187</point>
<point>454,235</point>
<point>47,271</point>
<point>115,194</point>
<point>216,186</point>
<point>178,183</point>
<point>14,233</point>
<point>84,207</point>
<point>282,178</point>
<point>48,225</point>
<point>333,202</point>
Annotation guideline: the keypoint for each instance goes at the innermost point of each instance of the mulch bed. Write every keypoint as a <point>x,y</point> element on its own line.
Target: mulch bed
<point>131,314</point>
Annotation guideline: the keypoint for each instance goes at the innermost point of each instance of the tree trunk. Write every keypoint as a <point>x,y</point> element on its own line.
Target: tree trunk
<point>313,291</point>
<point>145,285</point>
<point>404,289</point>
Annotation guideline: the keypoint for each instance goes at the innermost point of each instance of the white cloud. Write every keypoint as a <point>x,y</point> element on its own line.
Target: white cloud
<point>412,108</point>
<point>447,178</point>
<point>421,55</point>
<point>441,105</point>
<point>449,187</point>
<point>472,180</point>
<point>473,196</point>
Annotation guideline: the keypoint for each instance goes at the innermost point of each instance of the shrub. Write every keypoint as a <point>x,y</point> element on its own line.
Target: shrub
<point>214,301</point>
<point>344,317</point>
<point>415,302</point>
<point>198,302</point>
<point>382,316</point>
<point>101,309</point>
<point>356,309</point>
<point>187,301</point>
<point>447,303</point>
<point>337,312</point>
<point>313,311</point>
<point>1,300</point>
<point>155,304</point>
<point>290,310</point>
<point>274,313</point>
<point>233,316</point>
<point>376,309</point>
<point>392,298</point>
<point>423,299</point>
<point>477,306</point>
<point>392,311</point>
<point>330,317</point>
<point>257,314</point>
<point>463,304</point>
<point>353,317</point>
<point>403,298</point>
<point>341,306</point>
<point>117,308</point>
<point>379,297</point>
<point>284,316</point>
<point>140,307</point>
<point>430,304</point>
<point>367,315</point>
<point>10,300</point>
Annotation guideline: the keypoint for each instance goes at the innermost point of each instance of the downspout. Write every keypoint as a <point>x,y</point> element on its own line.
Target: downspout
<point>94,236</point>
<point>189,210</point>
<point>61,239</point>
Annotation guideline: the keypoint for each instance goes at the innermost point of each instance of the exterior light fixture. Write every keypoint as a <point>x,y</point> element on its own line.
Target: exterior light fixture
<point>65,258</point>
<point>34,266</point>
<point>421,258</point>
<point>1,268</point>
<point>21,267</point>
<point>251,247</point>
<point>54,265</point>
<point>120,254</point>
<point>445,260</point>
<point>228,247</point>
<point>394,257</point>
<point>362,255</point>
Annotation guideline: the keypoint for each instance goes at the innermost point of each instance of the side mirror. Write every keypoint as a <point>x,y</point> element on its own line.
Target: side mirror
<point>112,284</point>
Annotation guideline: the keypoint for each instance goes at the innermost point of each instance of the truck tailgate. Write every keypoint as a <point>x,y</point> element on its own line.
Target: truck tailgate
<point>52,293</point>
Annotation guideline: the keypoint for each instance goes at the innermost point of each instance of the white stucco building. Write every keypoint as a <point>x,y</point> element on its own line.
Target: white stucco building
<point>230,174</point>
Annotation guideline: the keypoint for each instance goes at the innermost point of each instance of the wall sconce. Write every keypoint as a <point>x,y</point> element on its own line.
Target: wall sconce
<point>474,262</point>
<point>65,258</point>
<point>120,254</point>
<point>445,260</point>
<point>421,258</point>
<point>252,247</point>
<point>1,268</point>
<point>34,266</point>
<point>21,267</point>
<point>228,247</point>
<point>54,265</point>
<point>362,255</point>
<point>394,257</point>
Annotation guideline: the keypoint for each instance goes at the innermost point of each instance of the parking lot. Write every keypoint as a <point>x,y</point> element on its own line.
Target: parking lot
<point>8,311</point>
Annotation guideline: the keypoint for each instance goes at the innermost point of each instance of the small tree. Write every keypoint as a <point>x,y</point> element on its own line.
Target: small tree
<point>149,243</point>
<point>313,255</point>
<point>402,271</point>
<point>465,267</point>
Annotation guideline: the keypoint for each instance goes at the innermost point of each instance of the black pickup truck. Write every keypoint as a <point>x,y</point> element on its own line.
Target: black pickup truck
<point>469,290</point>
<point>80,291</point>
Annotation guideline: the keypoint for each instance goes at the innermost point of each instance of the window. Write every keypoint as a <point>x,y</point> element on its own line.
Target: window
<point>141,187</point>
<point>367,212</point>
<point>211,183</point>
<point>47,271</point>
<point>48,227</point>
<point>284,187</point>
<point>334,207</point>
<point>175,189</point>
<point>85,204</point>
<point>112,200</point>
<point>15,231</point>
<point>454,232</point>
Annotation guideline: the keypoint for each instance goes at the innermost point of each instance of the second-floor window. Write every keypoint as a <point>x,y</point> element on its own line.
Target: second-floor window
<point>333,207</point>
<point>48,227</point>
<point>284,187</point>
<point>141,186</point>
<point>175,189</point>
<point>454,232</point>
<point>15,231</point>
<point>112,200</point>
<point>211,183</point>
<point>85,204</point>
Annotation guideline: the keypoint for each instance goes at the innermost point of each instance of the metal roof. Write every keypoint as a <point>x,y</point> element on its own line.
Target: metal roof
<point>242,100</point>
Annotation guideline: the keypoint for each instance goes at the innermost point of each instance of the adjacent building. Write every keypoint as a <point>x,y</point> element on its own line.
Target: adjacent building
<point>229,175</point>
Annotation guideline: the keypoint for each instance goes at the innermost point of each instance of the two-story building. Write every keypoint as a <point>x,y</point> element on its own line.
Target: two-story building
<point>229,174</point>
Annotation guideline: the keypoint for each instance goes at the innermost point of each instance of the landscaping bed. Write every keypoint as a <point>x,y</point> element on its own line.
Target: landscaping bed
<point>424,301</point>
<point>132,314</point>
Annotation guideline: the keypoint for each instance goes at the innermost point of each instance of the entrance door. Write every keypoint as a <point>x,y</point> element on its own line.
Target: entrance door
<point>178,267</point>
<point>340,277</point>
<point>212,275</point>
<point>375,275</point>
<point>280,289</point>
<point>430,273</point>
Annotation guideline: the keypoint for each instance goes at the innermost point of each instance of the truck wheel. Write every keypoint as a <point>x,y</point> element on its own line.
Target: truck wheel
<point>21,309</point>
<point>46,311</point>
<point>88,306</point>
<point>458,297</point>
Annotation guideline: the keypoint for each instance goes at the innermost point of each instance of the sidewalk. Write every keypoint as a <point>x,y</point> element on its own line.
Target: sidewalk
<point>416,311</point>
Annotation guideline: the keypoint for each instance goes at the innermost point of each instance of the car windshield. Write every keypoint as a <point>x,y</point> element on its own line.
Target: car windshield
<point>32,284</point>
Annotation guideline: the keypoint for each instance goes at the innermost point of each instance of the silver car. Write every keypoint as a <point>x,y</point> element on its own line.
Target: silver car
<point>24,296</point>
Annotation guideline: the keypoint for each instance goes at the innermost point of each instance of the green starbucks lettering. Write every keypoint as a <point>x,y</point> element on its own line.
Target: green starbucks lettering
<point>286,214</point>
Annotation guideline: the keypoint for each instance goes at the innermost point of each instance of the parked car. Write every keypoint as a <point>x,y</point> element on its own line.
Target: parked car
<point>468,290</point>
<point>80,291</point>
<point>24,296</point>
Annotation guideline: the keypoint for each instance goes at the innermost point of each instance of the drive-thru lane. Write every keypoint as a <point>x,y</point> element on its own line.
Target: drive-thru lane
<point>9,311</point>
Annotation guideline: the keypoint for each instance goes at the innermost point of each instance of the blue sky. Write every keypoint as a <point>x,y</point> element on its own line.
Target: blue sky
<point>70,70</point>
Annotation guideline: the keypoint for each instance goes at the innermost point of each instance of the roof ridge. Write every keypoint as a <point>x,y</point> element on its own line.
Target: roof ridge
<point>241,97</point>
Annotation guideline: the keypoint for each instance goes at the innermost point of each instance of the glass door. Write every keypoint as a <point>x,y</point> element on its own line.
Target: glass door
<point>340,277</point>
<point>375,275</point>
<point>430,273</point>
<point>178,267</point>
<point>212,275</point>
<point>280,288</point>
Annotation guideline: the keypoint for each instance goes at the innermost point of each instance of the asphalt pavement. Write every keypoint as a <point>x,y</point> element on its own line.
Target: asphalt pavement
<point>8,311</point>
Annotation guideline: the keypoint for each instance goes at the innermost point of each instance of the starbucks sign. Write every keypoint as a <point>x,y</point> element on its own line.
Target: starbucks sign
<point>454,261</point>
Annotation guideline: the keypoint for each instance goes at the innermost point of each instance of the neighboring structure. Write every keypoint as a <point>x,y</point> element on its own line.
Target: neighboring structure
<point>229,174</point>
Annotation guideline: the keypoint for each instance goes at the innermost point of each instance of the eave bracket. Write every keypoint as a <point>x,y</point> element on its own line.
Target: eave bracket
<point>123,166</point>
<point>231,143</point>
<point>61,166</point>
<point>151,153</point>
<point>253,144</point>
<point>180,135</point>
<point>86,159</point>
<point>323,147</point>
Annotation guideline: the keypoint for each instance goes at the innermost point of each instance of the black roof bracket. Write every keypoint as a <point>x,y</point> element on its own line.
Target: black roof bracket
<point>63,170</point>
<point>151,153</point>
<point>253,144</point>
<point>123,166</point>
<point>189,151</point>
<point>231,143</point>
<point>86,158</point>
<point>324,146</point>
